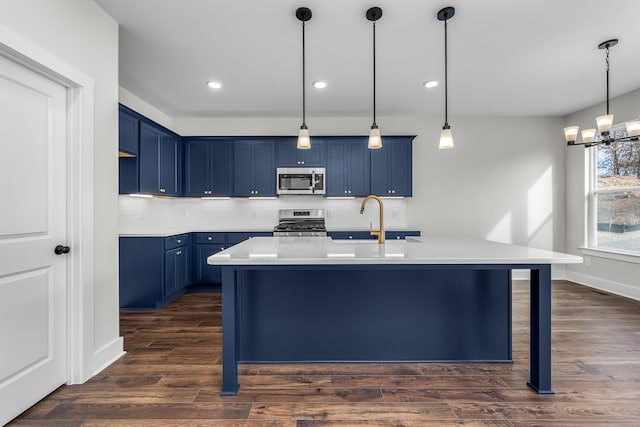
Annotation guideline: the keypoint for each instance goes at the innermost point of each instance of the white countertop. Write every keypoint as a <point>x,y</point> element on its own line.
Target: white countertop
<point>414,250</point>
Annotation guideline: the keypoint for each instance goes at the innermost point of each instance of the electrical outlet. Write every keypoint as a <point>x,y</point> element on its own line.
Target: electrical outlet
<point>587,261</point>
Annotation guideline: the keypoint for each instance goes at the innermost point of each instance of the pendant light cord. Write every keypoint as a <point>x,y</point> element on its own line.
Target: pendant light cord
<point>607,80</point>
<point>374,74</point>
<point>446,94</point>
<point>304,117</point>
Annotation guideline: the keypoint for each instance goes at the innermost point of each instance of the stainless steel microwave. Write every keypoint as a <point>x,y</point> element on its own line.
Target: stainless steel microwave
<point>301,180</point>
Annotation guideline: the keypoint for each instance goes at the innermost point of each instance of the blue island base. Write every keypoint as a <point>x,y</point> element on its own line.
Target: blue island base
<point>367,315</point>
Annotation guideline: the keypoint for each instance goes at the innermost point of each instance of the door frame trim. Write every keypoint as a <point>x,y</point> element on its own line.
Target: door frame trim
<point>79,151</point>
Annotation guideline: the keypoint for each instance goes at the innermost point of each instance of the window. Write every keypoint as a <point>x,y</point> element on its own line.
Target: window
<point>615,196</point>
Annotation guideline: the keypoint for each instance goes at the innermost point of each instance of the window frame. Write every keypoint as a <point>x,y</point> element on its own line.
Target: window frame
<point>592,247</point>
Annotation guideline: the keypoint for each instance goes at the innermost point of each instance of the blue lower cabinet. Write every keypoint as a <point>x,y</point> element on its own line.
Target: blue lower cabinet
<point>153,271</point>
<point>364,235</point>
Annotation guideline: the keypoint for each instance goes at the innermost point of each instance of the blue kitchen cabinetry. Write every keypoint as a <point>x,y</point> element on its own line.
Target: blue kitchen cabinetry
<point>391,167</point>
<point>159,161</point>
<point>153,270</point>
<point>365,235</point>
<point>207,167</point>
<point>348,164</point>
<point>290,156</point>
<point>207,244</point>
<point>254,168</point>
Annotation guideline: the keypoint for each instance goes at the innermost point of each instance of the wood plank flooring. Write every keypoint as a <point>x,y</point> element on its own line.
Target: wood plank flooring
<point>170,376</point>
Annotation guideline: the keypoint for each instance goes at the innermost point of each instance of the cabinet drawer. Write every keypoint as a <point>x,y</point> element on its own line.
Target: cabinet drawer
<point>217,238</point>
<point>400,235</point>
<point>173,242</point>
<point>355,235</point>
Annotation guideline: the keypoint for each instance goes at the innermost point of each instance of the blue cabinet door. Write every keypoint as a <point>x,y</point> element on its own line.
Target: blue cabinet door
<point>158,162</point>
<point>205,273</point>
<point>358,167</point>
<point>347,167</point>
<point>221,168</point>
<point>391,167</point>
<point>288,153</point>
<point>243,169</point>
<point>169,166</point>
<point>290,156</point>
<point>264,168</point>
<point>176,271</point>
<point>254,168</point>
<point>197,167</point>
<point>128,132</point>
<point>400,166</point>
<point>149,159</point>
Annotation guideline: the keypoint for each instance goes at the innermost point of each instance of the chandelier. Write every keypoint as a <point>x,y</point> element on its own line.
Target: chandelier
<point>604,123</point>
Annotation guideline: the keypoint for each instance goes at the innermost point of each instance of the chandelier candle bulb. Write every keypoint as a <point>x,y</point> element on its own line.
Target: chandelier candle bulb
<point>633,128</point>
<point>604,122</point>
<point>589,135</point>
<point>571,134</point>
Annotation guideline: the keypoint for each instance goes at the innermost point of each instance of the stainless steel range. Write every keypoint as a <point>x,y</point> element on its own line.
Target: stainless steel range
<point>300,223</point>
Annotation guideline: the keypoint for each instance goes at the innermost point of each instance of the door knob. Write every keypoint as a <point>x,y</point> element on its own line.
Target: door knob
<point>59,250</point>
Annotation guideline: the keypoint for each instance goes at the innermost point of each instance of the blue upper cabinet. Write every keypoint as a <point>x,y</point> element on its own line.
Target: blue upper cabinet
<point>159,161</point>
<point>207,167</point>
<point>290,156</point>
<point>347,166</point>
<point>128,133</point>
<point>254,168</point>
<point>391,167</point>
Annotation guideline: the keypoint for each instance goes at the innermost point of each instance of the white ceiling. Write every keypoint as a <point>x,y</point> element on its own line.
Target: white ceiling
<point>506,57</point>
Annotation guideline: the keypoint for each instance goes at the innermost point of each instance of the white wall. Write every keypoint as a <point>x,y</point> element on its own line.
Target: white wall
<point>616,276</point>
<point>82,35</point>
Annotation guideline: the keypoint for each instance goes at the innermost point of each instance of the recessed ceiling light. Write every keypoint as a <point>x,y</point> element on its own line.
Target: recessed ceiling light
<point>430,84</point>
<point>320,85</point>
<point>214,85</point>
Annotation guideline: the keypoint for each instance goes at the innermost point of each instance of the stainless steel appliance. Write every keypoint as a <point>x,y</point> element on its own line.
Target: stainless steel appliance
<point>300,223</point>
<point>301,180</point>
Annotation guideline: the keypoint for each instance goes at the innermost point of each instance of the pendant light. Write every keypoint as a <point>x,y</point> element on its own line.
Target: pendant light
<point>304,141</point>
<point>375,140</point>
<point>446,139</point>
<point>605,122</point>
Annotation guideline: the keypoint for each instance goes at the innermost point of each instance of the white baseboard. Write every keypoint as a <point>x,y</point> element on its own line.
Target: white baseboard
<point>609,286</point>
<point>106,355</point>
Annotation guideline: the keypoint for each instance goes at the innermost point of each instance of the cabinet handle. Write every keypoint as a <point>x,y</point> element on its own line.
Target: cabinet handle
<point>209,238</point>
<point>350,237</point>
<point>179,241</point>
<point>393,191</point>
<point>179,253</point>
<point>389,191</point>
<point>349,191</point>
<point>397,237</point>
<point>302,162</point>
<point>162,190</point>
<point>345,191</point>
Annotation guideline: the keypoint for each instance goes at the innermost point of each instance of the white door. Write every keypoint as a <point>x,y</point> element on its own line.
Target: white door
<point>33,289</point>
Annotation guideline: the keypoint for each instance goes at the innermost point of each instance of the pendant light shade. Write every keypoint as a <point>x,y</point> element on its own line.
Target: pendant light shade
<point>375,140</point>
<point>304,141</point>
<point>446,138</point>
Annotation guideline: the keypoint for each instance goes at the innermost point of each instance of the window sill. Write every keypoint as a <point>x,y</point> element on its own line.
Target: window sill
<point>611,254</point>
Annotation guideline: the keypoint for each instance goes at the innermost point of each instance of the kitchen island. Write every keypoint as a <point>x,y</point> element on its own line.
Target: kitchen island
<point>429,299</point>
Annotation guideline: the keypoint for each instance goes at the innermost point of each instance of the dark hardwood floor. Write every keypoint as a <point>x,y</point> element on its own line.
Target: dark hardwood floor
<point>170,376</point>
